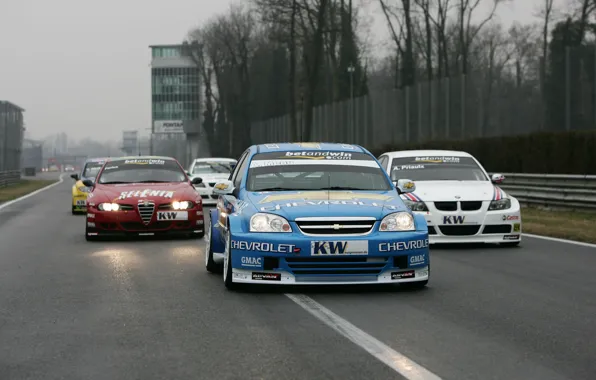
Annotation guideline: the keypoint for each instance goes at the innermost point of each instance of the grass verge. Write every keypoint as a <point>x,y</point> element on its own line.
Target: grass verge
<point>23,187</point>
<point>572,225</point>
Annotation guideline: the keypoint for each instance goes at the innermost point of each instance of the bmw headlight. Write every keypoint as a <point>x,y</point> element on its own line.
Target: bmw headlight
<point>109,206</point>
<point>501,204</point>
<point>262,222</point>
<point>416,206</point>
<point>184,205</point>
<point>398,221</point>
<point>84,189</point>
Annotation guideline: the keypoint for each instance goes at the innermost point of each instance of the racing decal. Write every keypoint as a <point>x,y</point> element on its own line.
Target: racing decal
<point>145,162</point>
<point>239,206</point>
<point>80,202</point>
<point>498,194</point>
<point>90,216</point>
<point>264,247</point>
<point>266,276</point>
<point>510,217</point>
<point>326,196</point>
<point>357,247</point>
<point>278,207</point>
<point>308,145</point>
<point>400,275</point>
<point>398,246</point>
<point>315,155</point>
<point>454,219</point>
<point>407,167</point>
<point>517,227</point>
<point>511,237</point>
<point>287,162</point>
<point>417,260</point>
<point>412,197</point>
<point>252,262</point>
<point>438,159</point>
<point>172,215</point>
<point>146,193</point>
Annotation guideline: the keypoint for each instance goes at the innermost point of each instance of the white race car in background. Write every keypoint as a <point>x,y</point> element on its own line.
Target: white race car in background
<point>461,202</point>
<point>211,171</point>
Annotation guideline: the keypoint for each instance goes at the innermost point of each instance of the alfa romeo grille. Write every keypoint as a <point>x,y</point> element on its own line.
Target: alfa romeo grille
<point>336,226</point>
<point>146,211</point>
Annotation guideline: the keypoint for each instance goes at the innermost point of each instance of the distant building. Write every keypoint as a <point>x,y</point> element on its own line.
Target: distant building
<point>12,130</point>
<point>175,101</point>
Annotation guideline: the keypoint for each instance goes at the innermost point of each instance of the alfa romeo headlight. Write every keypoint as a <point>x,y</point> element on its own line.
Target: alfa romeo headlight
<point>501,204</point>
<point>109,206</point>
<point>184,205</point>
<point>416,206</point>
<point>398,221</point>
<point>84,189</point>
<point>262,222</point>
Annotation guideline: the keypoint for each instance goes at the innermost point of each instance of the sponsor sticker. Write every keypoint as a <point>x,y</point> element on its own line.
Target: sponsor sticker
<point>400,275</point>
<point>327,196</point>
<point>517,227</point>
<point>398,246</point>
<point>264,247</point>
<point>417,260</point>
<point>511,237</point>
<point>438,159</point>
<point>145,162</point>
<point>146,193</point>
<point>454,219</point>
<point>266,276</point>
<point>317,155</point>
<point>172,215</point>
<point>357,247</point>
<point>327,203</point>
<point>81,202</point>
<point>253,262</point>
<point>408,167</point>
<point>510,217</point>
<point>90,216</point>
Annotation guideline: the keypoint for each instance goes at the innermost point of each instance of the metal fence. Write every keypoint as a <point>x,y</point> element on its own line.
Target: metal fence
<point>8,178</point>
<point>553,190</point>
<point>475,105</point>
<point>11,136</point>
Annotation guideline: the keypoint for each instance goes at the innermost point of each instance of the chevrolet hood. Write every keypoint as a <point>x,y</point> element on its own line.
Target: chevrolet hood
<point>292,205</point>
<point>159,192</point>
<point>442,191</point>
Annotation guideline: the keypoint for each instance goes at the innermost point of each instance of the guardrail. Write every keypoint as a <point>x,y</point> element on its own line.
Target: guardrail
<point>558,190</point>
<point>9,177</point>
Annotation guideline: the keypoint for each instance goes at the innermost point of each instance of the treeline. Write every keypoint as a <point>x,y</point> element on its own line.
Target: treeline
<point>268,58</point>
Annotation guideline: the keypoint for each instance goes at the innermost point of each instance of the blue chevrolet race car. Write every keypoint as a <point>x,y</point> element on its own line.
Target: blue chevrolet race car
<point>312,214</point>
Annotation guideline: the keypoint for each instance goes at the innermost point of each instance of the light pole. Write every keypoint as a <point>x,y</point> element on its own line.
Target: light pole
<point>351,70</point>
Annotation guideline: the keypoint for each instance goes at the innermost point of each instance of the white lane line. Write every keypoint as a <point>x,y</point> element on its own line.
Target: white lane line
<point>565,241</point>
<point>396,361</point>
<point>60,180</point>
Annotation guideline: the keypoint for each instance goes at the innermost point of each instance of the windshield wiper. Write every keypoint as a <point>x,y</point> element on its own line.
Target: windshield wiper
<point>280,189</point>
<point>113,183</point>
<point>152,181</point>
<point>340,188</point>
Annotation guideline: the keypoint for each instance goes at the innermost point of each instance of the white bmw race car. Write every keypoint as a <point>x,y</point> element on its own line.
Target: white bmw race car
<point>461,202</point>
<point>211,171</point>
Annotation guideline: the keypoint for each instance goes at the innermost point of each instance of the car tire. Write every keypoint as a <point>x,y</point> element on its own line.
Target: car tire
<point>211,265</point>
<point>227,267</point>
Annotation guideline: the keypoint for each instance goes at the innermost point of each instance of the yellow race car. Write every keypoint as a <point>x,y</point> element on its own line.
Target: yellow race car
<point>80,191</point>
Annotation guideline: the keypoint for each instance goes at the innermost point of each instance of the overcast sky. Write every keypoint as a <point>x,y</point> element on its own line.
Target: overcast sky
<point>82,67</point>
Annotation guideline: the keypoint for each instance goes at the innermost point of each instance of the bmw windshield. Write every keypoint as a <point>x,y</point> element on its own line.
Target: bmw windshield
<point>91,169</point>
<point>437,168</point>
<point>141,171</point>
<point>315,170</point>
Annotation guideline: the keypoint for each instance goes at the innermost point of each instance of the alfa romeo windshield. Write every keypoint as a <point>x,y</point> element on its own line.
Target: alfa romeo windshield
<point>315,170</point>
<point>437,168</point>
<point>141,171</point>
<point>91,169</point>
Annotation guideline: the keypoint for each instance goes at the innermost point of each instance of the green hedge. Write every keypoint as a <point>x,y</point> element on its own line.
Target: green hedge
<point>553,153</point>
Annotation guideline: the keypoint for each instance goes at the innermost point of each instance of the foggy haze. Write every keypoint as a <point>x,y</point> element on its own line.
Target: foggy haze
<point>82,67</point>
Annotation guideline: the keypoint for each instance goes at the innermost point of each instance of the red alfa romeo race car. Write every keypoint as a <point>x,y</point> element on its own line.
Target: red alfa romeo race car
<point>145,195</point>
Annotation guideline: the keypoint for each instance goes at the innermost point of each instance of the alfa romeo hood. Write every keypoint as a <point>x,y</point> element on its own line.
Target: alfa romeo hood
<point>292,205</point>
<point>150,191</point>
<point>441,191</point>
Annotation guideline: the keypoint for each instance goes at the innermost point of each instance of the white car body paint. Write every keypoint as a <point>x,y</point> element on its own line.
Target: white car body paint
<point>401,364</point>
<point>60,180</point>
<point>209,179</point>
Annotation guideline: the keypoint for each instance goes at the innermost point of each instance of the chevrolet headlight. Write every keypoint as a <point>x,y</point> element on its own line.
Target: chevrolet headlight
<point>84,189</point>
<point>262,222</point>
<point>109,206</point>
<point>184,205</point>
<point>501,204</point>
<point>398,221</point>
<point>415,206</point>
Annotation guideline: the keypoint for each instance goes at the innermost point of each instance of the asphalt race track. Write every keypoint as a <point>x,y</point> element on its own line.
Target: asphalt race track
<point>70,309</point>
